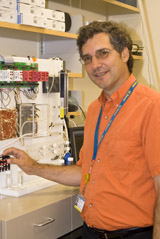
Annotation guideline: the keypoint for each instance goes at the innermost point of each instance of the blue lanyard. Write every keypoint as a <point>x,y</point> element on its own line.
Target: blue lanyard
<point>125,98</point>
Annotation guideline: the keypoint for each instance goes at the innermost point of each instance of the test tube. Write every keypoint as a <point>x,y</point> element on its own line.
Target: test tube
<point>20,177</point>
<point>8,179</point>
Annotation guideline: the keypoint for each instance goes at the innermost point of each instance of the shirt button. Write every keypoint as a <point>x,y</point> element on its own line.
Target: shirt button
<point>106,117</point>
<point>93,181</point>
<point>90,204</point>
<point>98,160</point>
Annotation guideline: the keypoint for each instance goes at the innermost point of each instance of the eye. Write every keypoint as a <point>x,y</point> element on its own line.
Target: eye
<point>87,58</point>
<point>102,53</point>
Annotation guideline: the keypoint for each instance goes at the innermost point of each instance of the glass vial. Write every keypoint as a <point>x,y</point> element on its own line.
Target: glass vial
<point>20,178</point>
<point>8,179</point>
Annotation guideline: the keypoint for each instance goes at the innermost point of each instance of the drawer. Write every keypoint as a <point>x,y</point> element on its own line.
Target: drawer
<point>48,222</point>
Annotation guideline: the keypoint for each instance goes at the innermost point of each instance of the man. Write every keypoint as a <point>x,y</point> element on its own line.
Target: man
<point>119,167</point>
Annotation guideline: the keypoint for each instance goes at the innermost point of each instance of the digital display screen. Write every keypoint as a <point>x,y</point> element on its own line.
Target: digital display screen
<point>76,139</point>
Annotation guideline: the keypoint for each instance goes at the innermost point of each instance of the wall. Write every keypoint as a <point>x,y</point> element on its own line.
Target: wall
<point>17,44</point>
<point>151,15</point>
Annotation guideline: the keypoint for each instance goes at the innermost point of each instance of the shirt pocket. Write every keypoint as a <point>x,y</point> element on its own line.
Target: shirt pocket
<point>122,155</point>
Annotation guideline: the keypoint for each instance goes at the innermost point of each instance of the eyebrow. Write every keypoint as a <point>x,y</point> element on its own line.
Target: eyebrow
<point>104,48</point>
<point>86,55</point>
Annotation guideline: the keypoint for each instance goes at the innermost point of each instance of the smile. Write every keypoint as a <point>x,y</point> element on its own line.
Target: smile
<point>101,73</point>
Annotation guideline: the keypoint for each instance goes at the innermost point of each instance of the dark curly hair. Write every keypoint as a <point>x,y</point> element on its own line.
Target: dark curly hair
<point>118,35</point>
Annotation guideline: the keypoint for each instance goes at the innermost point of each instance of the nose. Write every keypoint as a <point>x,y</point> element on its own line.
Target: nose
<point>95,62</point>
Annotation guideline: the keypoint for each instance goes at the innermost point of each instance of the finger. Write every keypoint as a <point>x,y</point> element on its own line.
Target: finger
<point>13,161</point>
<point>9,151</point>
<point>12,151</point>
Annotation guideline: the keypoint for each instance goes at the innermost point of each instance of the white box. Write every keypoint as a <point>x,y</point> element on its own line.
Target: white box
<point>40,3</point>
<point>8,15</point>
<point>18,75</point>
<point>55,25</point>
<point>59,16</point>
<point>54,15</point>
<point>9,4</point>
<point>6,75</point>
<point>1,75</point>
<point>30,19</point>
<point>56,65</point>
<point>23,8</point>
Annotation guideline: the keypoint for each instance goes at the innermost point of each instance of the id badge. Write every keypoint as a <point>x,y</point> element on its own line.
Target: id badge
<point>79,203</point>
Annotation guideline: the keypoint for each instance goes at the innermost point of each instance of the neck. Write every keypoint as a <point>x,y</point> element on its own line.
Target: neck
<point>118,84</point>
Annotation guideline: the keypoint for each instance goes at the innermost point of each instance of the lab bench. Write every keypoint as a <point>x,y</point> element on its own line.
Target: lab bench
<point>47,213</point>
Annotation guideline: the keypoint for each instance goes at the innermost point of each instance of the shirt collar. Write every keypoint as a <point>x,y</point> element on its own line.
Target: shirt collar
<point>118,95</point>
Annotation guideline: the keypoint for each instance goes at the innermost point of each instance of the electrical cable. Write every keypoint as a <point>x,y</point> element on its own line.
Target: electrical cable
<point>3,99</point>
<point>17,97</point>
<point>73,122</point>
<point>82,111</point>
<point>49,91</point>
<point>10,143</point>
<point>66,129</point>
<point>31,93</point>
<point>21,129</point>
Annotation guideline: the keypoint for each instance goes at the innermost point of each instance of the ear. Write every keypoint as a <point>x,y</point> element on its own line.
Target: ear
<point>125,54</point>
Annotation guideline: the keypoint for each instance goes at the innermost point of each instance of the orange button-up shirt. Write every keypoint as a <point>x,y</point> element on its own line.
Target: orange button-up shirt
<point>121,191</point>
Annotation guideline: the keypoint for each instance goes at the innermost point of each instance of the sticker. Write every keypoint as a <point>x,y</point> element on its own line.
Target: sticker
<point>79,203</point>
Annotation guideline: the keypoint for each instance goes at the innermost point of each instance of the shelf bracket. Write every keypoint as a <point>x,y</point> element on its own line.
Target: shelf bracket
<point>42,46</point>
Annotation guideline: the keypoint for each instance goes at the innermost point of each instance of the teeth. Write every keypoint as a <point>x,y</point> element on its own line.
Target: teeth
<point>99,74</point>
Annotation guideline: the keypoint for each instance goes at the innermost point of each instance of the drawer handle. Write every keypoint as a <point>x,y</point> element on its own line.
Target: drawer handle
<point>50,220</point>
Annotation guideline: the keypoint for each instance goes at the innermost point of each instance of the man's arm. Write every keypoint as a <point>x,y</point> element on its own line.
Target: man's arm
<point>67,175</point>
<point>156,230</point>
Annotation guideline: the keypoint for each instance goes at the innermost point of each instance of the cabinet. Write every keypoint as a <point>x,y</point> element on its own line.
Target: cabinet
<point>52,220</point>
<point>47,213</point>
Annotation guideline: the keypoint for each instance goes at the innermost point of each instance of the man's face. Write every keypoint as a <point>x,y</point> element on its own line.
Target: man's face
<point>108,70</point>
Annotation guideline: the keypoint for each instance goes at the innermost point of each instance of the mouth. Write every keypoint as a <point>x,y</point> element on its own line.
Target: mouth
<point>100,74</point>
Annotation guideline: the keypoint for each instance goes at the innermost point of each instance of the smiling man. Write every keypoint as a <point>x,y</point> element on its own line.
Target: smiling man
<point>119,166</point>
<point>111,73</point>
